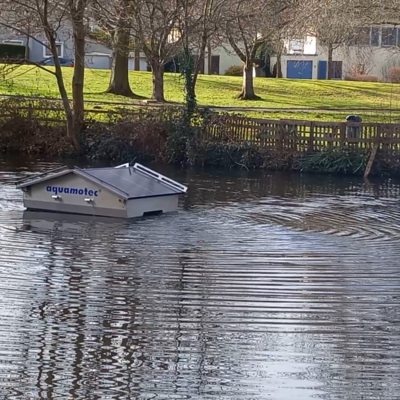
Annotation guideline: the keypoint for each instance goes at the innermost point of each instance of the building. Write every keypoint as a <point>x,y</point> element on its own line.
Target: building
<point>376,50</point>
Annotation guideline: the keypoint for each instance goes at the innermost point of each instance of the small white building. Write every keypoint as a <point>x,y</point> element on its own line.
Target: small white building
<point>120,192</point>
<point>143,65</point>
<point>95,60</point>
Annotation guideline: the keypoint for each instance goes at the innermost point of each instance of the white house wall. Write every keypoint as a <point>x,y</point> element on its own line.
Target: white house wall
<point>95,47</point>
<point>142,64</point>
<point>98,61</point>
<point>227,58</point>
<point>377,60</point>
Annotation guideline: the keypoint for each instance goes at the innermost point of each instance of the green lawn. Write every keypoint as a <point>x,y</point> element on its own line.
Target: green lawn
<point>221,91</point>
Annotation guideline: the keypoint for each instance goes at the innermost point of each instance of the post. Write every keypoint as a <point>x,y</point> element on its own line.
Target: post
<point>343,128</point>
<point>373,152</point>
<point>30,113</point>
<point>136,65</point>
<point>311,138</point>
<point>281,136</point>
<point>329,136</point>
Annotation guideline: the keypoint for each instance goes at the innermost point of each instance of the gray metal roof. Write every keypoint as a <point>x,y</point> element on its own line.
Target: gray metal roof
<point>131,181</point>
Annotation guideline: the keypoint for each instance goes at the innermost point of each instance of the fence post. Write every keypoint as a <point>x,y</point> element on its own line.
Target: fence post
<point>388,134</point>
<point>30,113</point>
<point>373,151</point>
<point>311,138</point>
<point>342,134</point>
<point>281,136</point>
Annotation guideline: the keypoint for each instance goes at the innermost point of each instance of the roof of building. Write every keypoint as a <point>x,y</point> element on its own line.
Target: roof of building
<point>127,182</point>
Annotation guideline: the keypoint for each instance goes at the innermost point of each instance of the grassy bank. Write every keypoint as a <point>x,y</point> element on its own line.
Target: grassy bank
<point>277,95</point>
<point>161,135</point>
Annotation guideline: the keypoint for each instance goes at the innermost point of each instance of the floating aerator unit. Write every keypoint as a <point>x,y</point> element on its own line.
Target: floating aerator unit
<point>120,192</point>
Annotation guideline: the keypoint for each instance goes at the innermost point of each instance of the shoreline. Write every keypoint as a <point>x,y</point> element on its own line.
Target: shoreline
<point>162,136</point>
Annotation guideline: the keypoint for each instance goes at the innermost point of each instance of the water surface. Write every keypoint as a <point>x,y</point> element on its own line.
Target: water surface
<point>262,286</point>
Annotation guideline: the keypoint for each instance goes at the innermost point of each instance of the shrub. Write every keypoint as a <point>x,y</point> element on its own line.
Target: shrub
<point>141,136</point>
<point>338,161</point>
<point>234,70</point>
<point>394,75</point>
<point>25,127</point>
<point>361,78</point>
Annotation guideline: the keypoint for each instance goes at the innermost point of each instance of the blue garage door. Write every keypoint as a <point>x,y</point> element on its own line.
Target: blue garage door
<point>322,69</point>
<point>299,69</point>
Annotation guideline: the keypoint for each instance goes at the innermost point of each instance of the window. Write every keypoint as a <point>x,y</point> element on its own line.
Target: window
<point>174,35</point>
<point>375,36</point>
<point>361,37</point>
<point>60,50</point>
<point>294,46</point>
<point>337,69</point>
<point>15,42</point>
<point>388,37</point>
<point>310,45</point>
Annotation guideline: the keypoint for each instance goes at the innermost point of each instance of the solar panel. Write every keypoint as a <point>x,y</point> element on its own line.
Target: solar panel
<point>133,182</point>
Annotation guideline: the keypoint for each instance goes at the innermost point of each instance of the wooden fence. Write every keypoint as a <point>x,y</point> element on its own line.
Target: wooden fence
<point>304,136</point>
<point>310,135</point>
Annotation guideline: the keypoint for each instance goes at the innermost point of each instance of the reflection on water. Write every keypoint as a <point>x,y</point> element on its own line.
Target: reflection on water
<point>263,286</point>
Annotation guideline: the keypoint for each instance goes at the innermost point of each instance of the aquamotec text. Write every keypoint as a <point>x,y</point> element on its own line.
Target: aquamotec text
<point>71,190</point>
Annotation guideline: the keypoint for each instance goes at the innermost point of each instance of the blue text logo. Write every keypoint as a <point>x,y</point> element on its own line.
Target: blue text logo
<point>71,190</point>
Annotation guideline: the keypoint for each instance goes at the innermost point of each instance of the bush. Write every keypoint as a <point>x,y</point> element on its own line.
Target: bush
<point>234,70</point>
<point>394,75</point>
<point>361,78</point>
<point>338,161</point>
<point>141,136</point>
<point>25,127</point>
<point>163,135</point>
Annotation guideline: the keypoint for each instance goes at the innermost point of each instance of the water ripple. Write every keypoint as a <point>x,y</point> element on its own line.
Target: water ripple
<point>249,292</point>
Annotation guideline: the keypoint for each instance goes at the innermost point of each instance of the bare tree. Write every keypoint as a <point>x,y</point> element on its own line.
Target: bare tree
<point>333,25</point>
<point>114,17</point>
<point>77,10</point>
<point>377,12</point>
<point>198,23</point>
<point>154,28</point>
<point>41,21</point>
<point>250,23</point>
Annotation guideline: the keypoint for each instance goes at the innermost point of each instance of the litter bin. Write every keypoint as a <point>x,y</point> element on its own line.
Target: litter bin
<point>354,131</point>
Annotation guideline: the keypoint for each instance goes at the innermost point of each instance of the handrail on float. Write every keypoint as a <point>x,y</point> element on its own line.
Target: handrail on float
<point>159,177</point>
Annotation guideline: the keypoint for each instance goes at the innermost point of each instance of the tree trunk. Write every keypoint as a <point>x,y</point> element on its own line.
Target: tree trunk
<point>71,133</point>
<point>248,86</point>
<point>69,115</point>
<point>120,72</point>
<point>157,70</point>
<point>27,41</point>
<point>330,61</point>
<point>137,57</point>
<point>200,59</point>
<point>279,65</point>
<point>267,65</point>
<point>120,69</point>
<point>79,66</point>
<point>209,58</point>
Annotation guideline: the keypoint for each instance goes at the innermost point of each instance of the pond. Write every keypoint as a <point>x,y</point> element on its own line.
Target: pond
<point>263,286</point>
